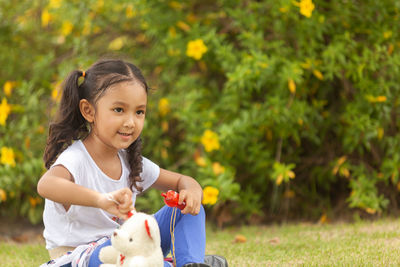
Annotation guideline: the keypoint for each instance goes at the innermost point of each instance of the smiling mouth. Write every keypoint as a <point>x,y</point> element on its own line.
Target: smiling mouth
<point>124,134</point>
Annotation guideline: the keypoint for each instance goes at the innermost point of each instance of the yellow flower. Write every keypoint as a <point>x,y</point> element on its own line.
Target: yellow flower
<point>99,6</point>
<point>300,122</point>
<point>117,43</point>
<point>173,52</point>
<point>164,126</point>
<point>164,153</point>
<point>141,38</point>
<point>55,3</point>
<point>318,74</point>
<point>87,27</point>
<point>27,142</point>
<point>210,195</point>
<point>130,12</point>
<point>210,141</point>
<point>46,18</point>
<point>55,94</point>
<point>163,106</point>
<point>66,28</point>
<point>200,161</point>
<point>183,26</point>
<point>284,9</point>
<point>292,86</point>
<point>34,201</point>
<point>344,172</point>
<point>323,219</point>
<point>335,170</point>
<point>289,194</point>
<point>3,195</point>
<point>196,49</point>
<point>381,98</point>
<point>191,18</point>
<point>376,99</point>
<point>263,65</point>
<point>370,210</point>
<point>21,20</point>
<point>341,160</point>
<point>387,34</point>
<point>7,156</point>
<point>381,132</point>
<point>172,31</point>
<point>279,179</point>
<point>218,168</point>
<point>5,110</point>
<point>306,64</point>
<point>40,129</point>
<point>390,49</point>
<point>175,5</point>
<point>306,7</point>
<point>8,87</point>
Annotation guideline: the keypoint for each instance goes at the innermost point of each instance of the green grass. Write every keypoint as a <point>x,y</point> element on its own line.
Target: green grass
<point>12,254</point>
<point>360,244</point>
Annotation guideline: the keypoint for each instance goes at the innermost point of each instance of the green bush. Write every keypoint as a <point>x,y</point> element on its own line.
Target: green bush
<point>282,107</point>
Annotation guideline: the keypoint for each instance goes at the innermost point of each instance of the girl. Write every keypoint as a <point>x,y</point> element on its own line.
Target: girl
<point>95,170</point>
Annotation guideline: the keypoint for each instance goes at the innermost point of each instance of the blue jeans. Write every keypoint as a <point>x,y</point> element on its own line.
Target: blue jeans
<point>190,237</point>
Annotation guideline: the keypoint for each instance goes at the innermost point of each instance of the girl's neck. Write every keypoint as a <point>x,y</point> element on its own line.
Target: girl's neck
<point>98,150</point>
<point>106,158</point>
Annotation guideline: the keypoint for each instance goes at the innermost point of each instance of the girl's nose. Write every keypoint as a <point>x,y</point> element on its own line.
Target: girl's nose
<point>129,122</point>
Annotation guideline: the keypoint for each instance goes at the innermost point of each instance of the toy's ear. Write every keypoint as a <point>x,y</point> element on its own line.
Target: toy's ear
<point>146,225</point>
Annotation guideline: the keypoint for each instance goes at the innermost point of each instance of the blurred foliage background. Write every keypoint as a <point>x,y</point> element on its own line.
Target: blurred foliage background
<point>281,109</point>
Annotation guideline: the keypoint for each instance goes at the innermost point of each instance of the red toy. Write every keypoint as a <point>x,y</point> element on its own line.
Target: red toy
<point>171,199</point>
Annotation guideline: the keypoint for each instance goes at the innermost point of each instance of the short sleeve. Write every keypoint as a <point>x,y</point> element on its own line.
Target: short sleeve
<point>71,160</point>
<point>150,173</point>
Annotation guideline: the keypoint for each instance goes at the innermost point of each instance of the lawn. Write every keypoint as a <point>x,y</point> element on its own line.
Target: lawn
<point>358,244</point>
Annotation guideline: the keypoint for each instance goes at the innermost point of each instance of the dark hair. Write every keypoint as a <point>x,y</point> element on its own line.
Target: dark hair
<point>70,125</point>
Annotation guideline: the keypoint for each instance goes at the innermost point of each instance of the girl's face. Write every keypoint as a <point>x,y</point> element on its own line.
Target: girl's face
<point>119,115</point>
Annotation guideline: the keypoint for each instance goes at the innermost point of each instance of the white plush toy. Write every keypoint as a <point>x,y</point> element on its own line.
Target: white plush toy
<point>136,243</point>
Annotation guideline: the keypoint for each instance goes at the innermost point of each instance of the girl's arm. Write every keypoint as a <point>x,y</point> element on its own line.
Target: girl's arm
<point>57,184</point>
<point>189,189</point>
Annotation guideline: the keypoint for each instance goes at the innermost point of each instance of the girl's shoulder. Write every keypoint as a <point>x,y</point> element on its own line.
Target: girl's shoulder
<point>77,147</point>
<point>76,152</point>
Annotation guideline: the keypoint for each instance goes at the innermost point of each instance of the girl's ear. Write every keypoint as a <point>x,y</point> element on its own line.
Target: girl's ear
<point>87,110</point>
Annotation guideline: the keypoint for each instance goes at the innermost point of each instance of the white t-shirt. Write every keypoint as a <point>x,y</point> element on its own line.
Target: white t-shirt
<point>80,225</point>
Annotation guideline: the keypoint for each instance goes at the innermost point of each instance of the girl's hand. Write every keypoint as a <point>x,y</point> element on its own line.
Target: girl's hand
<point>188,188</point>
<point>192,199</point>
<point>118,202</point>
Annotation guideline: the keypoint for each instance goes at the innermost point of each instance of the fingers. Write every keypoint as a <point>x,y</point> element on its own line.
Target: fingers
<point>124,199</point>
<point>192,202</point>
<point>120,203</point>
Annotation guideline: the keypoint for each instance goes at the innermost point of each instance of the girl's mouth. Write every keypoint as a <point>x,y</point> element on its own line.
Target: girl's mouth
<point>125,134</point>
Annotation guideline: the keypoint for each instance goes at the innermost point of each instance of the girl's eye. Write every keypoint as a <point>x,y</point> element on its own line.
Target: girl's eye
<point>118,110</point>
<point>140,112</point>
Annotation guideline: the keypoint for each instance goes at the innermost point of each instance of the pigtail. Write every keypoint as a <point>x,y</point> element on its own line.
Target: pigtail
<point>135,149</point>
<point>69,124</point>
<point>134,152</point>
